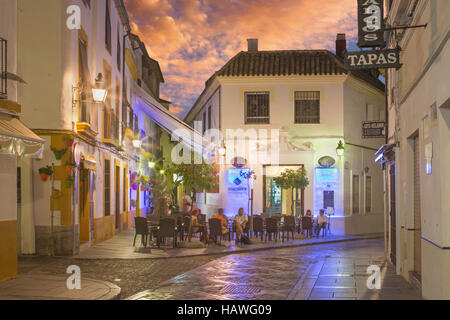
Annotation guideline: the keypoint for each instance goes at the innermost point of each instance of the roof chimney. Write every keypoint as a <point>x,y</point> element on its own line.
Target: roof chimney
<point>252,45</point>
<point>341,45</point>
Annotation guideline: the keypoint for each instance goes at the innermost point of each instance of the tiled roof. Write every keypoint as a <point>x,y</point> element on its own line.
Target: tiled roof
<point>290,62</point>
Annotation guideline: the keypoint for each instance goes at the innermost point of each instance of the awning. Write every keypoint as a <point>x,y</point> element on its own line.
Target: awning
<point>169,122</point>
<point>89,163</point>
<point>385,153</point>
<point>16,138</point>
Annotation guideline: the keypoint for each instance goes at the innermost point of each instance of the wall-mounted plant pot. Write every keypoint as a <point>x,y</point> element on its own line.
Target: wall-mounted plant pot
<point>59,153</point>
<point>44,177</point>
<point>69,169</point>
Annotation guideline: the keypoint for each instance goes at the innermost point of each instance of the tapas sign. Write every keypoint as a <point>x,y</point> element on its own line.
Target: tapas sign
<point>370,24</point>
<point>374,59</point>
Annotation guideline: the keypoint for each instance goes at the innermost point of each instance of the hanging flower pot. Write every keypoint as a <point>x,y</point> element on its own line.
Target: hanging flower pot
<point>69,167</point>
<point>59,153</point>
<point>45,172</point>
<point>69,141</point>
<point>133,176</point>
<point>135,186</point>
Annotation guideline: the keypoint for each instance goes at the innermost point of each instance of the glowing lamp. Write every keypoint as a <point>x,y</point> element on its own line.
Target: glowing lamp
<point>162,172</point>
<point>340,149</point>
<point>99,93</point>
<point>137,143</point>
<point>151,165</point>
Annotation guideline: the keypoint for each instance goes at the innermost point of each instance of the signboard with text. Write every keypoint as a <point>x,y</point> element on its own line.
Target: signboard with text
<point>373,129</point>
<point>374,59</point>
<point>370,24</point>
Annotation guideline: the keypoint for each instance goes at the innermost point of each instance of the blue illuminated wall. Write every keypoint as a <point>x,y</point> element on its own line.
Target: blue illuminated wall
<point>236,189</point>
<point>326,188</point>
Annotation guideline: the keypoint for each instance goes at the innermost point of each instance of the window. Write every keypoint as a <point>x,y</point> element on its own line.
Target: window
<point>355,194</point>
<point>368,194</point>
<point>124,193</point>
<point>119,55</point>
<point>209,117</point>
<point>107,188</point>
<point>84,78</point>
<point>107,105</point>
<point>257,108</point>
<point>204,122</point>
<point>307,107</point>
<point>108,41</point>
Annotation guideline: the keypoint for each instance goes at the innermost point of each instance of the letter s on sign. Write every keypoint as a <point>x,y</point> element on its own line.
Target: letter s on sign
<point>392,57</point>
<point>74,19</point>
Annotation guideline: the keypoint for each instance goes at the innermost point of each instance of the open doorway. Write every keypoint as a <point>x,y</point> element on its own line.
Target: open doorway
<point>277,200</point>
<point>86,207</point>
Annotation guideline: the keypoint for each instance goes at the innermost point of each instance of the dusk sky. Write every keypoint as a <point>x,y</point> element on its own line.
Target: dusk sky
<point>192,39</point>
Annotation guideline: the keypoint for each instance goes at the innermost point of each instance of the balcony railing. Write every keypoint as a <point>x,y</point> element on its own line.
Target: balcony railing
<point>3,68</point>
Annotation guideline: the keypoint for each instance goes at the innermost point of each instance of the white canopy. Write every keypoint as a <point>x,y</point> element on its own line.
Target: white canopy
<point>169,122</point>
<point>16,138</point>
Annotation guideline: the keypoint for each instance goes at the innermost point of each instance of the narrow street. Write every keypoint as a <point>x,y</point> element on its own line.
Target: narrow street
<point>325,271</point>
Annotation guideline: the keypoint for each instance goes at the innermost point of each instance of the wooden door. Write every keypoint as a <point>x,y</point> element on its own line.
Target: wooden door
<point>392,214</point>
<point>417,212</point>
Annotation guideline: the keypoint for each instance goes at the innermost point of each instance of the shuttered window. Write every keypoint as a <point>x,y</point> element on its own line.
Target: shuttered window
<point>355,194</point>
<point>307,107</point>
<point>257,108</point>
<point>108,41</point>
<point>107,188</point>
<point>368,194</point>
<point>84,78</point>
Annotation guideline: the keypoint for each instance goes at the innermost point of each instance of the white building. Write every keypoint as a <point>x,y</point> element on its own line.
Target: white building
<point>92,202</point>
<point>418,154</point>
<point>17,144</point>
<point>314,103</point>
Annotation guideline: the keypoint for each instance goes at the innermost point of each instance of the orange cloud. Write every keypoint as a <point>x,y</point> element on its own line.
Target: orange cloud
<point>194,38</point>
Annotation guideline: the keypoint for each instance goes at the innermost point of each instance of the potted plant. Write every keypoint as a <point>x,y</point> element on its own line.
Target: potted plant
<point>59,153</point>
<point>70,180</point>
<point>69,141</point>
<point>70,166</point>
<point>45,172</point>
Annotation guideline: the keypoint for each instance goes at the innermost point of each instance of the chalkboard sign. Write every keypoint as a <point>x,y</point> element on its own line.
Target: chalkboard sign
<point>328,199</point>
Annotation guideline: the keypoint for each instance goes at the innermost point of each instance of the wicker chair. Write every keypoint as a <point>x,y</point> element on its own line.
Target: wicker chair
<point>272,228</point>
<point>215,230</point>
<point>307,226</point>
<point>289,226</point>
<point>258,226</point>
<point>167,229</point>
<point>142,230</point>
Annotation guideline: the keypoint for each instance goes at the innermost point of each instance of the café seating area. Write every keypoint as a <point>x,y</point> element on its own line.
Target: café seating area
<point>177,228</point>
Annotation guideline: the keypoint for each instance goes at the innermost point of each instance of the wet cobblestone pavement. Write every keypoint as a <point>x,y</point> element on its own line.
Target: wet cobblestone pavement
<point>132,276</point>
<point>328,271</point>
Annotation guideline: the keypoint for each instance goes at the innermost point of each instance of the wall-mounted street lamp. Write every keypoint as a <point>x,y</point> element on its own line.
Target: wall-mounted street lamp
<point>137,143</point>
<point>340,149</point>
<point>99,92</point>
<point>222,150</point>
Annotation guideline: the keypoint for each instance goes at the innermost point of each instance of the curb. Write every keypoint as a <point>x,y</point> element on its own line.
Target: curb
<point>241,251</point>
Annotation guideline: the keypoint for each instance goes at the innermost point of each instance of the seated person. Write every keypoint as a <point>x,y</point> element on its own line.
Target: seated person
<point>223,220</point>
<point>321,221</point>
<point>241,221</point>
<point>196,226</point>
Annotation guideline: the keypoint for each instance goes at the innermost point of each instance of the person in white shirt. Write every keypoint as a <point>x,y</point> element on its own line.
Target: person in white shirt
<point>321,222</point>
<point>187,203</point>
<point>241,221</point>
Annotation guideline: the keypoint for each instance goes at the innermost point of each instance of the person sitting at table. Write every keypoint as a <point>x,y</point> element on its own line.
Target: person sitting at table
<point>223,221</point>
<point>241,221</point>
<point>321,222</point>
<point>196,226</point>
